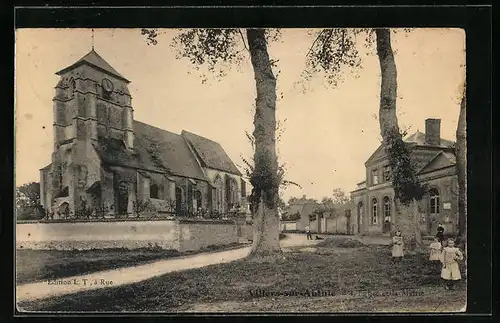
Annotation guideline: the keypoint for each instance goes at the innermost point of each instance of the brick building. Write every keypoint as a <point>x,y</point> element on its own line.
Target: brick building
<point>104,157</point>
<point>434,159</point>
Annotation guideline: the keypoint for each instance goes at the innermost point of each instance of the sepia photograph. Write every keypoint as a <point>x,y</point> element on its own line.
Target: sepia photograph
<point>240,170</point>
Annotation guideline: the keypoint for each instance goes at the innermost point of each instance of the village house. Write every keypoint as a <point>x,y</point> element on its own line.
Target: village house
<point>434,160</point>
<point>105,159</point>
<point>320,217</point>
<point>305,207</point>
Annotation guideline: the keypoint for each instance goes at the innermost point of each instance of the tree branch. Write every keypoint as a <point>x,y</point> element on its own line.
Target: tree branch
<point>243,40</point>
<point>317,37</point>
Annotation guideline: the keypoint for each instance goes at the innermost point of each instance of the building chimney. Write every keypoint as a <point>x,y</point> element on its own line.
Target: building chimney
<point>433,132</point>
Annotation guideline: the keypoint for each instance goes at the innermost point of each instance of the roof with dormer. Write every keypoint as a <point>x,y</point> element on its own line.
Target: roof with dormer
<point>425,158</point>
<point>416,140</point>
<point>95,60</point>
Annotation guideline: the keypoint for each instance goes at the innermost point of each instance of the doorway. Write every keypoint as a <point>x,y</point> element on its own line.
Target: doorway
<point>122,198</point>
<point>434,209</point>
<point>178,200</point>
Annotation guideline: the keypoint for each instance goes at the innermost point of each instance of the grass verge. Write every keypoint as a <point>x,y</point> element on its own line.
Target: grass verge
<point>36,265</point>
<point>361,279</point>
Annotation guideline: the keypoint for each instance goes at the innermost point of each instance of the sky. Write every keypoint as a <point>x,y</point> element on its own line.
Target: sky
<point>328,133</point>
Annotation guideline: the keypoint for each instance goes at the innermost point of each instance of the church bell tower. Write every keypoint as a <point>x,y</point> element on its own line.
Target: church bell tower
<point>93,100</point>
<point>92,103</point>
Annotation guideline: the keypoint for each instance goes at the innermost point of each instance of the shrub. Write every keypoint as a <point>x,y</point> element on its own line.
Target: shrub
<point>340,243</point>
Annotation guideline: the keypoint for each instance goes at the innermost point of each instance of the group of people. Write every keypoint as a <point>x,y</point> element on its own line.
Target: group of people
<point>442,252</point>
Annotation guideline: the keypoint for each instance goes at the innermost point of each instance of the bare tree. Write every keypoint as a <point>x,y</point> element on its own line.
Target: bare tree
<point>461,156</point>
<point>333,49</point>
<point>339,196</point>
<point>408,191</point>
<point>216,47</point>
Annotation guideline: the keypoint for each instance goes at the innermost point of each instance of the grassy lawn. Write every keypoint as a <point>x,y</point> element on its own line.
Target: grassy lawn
<point>348,275</point>
<point>36,265</point>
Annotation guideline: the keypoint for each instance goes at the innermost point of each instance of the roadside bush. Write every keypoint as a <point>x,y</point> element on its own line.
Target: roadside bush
<point>340,243</point>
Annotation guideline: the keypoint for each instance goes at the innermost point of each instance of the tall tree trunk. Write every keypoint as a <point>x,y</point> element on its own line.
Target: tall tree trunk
<point>407,220</point>
<point>406,215</point>
<point>461,156</point>
<point>266,219</point>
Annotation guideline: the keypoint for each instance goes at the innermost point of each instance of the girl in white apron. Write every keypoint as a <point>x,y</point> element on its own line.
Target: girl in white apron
<point>435,255</point>
<point>397,247</point>
<point>449,258</point>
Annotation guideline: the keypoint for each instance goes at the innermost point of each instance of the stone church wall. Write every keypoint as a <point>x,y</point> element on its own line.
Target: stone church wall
<point>183,183</point>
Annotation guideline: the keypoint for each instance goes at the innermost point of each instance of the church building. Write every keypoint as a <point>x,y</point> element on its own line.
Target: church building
<point>104,159</point>
<point>435,163</point>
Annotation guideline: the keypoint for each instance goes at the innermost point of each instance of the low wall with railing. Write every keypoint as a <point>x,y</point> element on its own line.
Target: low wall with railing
<point>133,233</point>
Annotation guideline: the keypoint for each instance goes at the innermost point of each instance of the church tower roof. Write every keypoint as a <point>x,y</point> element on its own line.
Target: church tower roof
<point>95,60</point>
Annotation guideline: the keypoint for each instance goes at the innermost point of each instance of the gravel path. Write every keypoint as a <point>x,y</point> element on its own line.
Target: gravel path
<point>130,275</point>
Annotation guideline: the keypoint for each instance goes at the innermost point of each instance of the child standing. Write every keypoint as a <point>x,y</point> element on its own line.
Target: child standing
<point>308,233</point>
<point>435,255</point>
<point>397,246</point>
<point>449,257</point>
<point>440,233</point>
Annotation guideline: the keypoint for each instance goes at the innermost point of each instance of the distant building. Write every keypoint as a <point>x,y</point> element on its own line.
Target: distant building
<point>105,158</point>
<point>305,207</point>
<point>319,217</point>
<point>434,159</point>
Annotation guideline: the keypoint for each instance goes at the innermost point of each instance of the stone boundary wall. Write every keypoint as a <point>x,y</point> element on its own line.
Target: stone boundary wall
<point>176,234</point>
<point>288,225</point>
<point>194,235</point>
<point>98,235</point>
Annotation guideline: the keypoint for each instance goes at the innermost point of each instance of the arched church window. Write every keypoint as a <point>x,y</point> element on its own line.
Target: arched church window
<point>178,200</point>
<point>234,192</point>
<point>197,200</point>
<point>219,193</point>
<point>107,87</point>
<point>123,195</point>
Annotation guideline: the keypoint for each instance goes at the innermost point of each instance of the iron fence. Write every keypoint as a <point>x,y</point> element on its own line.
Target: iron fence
<point>140,209</point>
